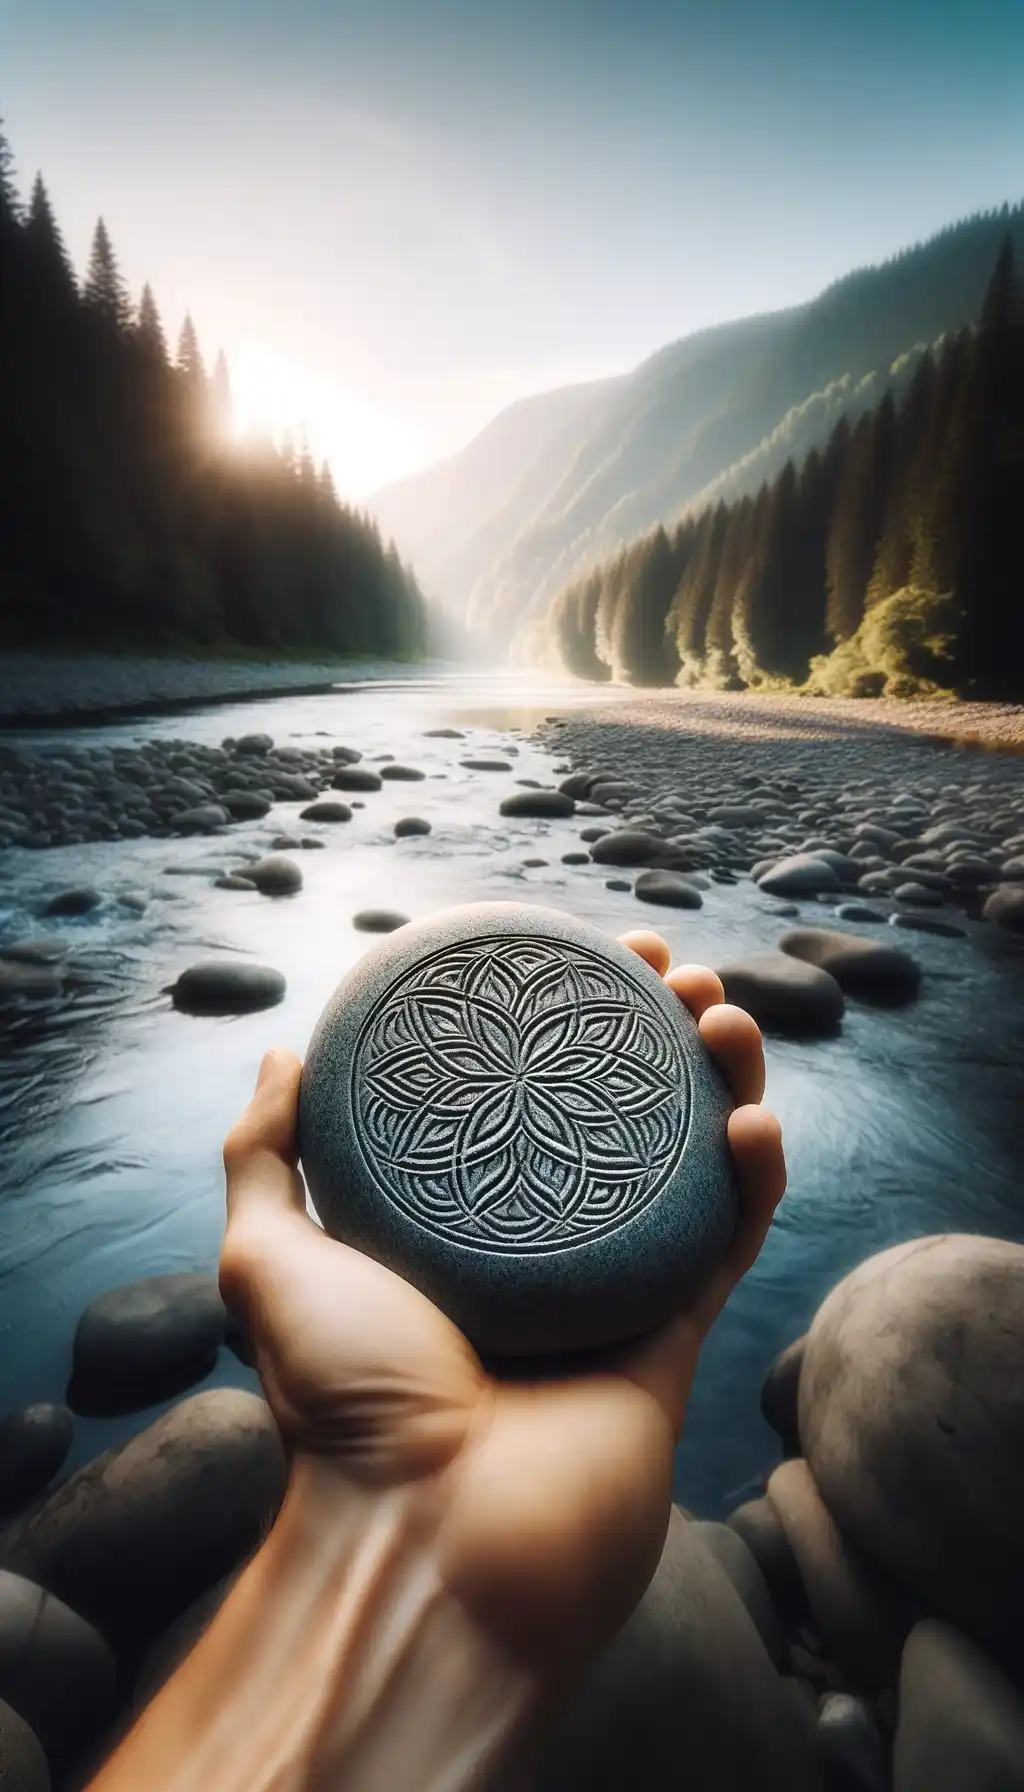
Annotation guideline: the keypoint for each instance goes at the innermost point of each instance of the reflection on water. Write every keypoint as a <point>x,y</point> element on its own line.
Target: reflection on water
<point>112,1111</point>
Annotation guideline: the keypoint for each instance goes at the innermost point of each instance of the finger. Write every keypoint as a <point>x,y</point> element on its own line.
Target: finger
<point>261,1150</point>
<point>650,947</point>
<point>695,985</point>
<point>733,1038</point>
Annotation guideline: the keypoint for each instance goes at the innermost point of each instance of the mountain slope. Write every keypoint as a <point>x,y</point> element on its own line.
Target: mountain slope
<point>559,480</point>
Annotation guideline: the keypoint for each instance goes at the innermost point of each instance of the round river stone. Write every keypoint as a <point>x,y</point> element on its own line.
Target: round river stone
<point>510,1110</point>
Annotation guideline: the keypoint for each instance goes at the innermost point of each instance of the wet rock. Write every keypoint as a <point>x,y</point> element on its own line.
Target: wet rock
<point>917,895</point>
<point>286,843</point>
<point>378,920</point>
<point>145,1341</point>
<point>688,1690</point>
<point>668,889</point>
<point>22,1761</point>
<point>860,967</point>
<point>34,951</point>
<point>410,826</point>
<point>28,983</point>
<point>629,846</point>
<point>326,810</point>
<point>575,858</point>
<point>402,774</point>
<point>928,924</point>
<point>804,874</point>
<point>138,1533</point>
<point>81,900</point>
<point>485,765</point>
<point>1006,908</point>
<point>274,876</point>
<point>443,734</point>
<point>534,864</point>
<point>620,884</point>
<point>848,1746</point>
<point>857,911</point>
<point>779,1395</point>
<point>861,1615</point>
<point>246,805</point>
<point>912,1421</point>
<point>356,777</point>
<point>545,804</point>
<point>578,785</point>
<point>784,994</point>
<point>961,1721</point>
<point>224,987</point>
<point>592,834</point>
<point>56,1671</point>
<point>34,1443</point>
<point>233,880</point>
<point>736,815</point>
<point>346,755</point>
<point>204,819</point>
<point>253,746</point>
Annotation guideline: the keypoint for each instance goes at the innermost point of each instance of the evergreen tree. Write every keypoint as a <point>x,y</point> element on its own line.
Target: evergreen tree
<point>220,395</point>
<point>149,331</point>
<point>189,360</point>
<point>857,519</point>
<point>105,292</point>
<point>692,604</point>
<point>720,661</point>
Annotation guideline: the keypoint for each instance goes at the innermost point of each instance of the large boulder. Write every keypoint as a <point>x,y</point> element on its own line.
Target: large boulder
<point>356,778</point>
<point>780,1393</point>
<point>80,900</point>
<point>783,994</point>
<point>22,1761</point>
<point>961,1721</point>
<point>56,1671</point>
<point>1006,908</point>
<point>34,1443</point>
<point>223,987</point>
<point>246,805</point>
<point>912,1421</point>
<point>145,1341</point>
<point>138,1533</point>
<point>686,1695</point>
<point>860,967</point>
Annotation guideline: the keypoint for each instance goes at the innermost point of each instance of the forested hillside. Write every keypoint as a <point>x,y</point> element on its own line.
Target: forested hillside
<point>890,560</point>
<point>711,416</point>
<point>127,514</point>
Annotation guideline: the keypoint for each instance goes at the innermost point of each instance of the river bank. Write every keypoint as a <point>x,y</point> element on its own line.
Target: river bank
<point>44,690</point>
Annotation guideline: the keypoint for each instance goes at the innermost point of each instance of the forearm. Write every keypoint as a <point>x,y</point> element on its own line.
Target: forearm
<point>338,1661</point>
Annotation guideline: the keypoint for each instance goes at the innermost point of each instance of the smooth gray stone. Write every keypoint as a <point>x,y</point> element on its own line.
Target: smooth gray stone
<point>326,810</point>
<point>947,930</point>
<point>780,1394</point>
<point>56,1671</point>
<point>138,1533</point>
<point>737,1560</point>
<point>628,847</point>
<point>860,967</point>
<point>78,901</point>
<point>1006,908</point>
<point>961,1721</point>
<point>544,804</point>
<point>410,826</point>
<point>485,765</point>
<point>144,1341</point>
<point>805,874</point>
<point>34,1443</point>
<point>379,920</point>
<point>402,774</point>
<point>253,746</point>
<point>458,1121</point>
<point>246,805</point>
<point>226,987</point>
<point>667,889</point>
<point>346,755</point>
<point>356,777</point>
<point>22,1761</point>
<point>273,876</point>
<point>783,993</point>
<point>201,820</point>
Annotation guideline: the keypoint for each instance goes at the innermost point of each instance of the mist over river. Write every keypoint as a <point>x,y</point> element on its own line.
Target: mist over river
<point>113,1105</point>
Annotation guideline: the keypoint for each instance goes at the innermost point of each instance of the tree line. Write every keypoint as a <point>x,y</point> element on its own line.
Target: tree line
<point>889,560</point>
<point>127,515</point>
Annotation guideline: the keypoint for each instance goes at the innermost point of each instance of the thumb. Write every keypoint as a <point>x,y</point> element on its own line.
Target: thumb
<point>261,1150</point>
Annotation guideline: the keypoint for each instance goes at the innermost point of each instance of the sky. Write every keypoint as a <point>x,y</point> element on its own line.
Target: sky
<point>398,216</point>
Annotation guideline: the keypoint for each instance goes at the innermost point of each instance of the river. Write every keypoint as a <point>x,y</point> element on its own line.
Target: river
<point>112,1112</point>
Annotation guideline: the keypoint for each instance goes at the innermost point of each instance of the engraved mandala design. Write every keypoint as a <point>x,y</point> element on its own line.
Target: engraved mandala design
<point>517,1094</point>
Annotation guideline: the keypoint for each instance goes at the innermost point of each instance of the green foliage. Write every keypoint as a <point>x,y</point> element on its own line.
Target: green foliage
<point>900,541</point>
<point>127,517</point>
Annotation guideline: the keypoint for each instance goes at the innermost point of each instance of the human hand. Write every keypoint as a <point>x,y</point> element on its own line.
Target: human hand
<point>546,1500</point>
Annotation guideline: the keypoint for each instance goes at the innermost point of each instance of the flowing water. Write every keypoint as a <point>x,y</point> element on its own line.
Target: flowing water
<point>112,1111</point>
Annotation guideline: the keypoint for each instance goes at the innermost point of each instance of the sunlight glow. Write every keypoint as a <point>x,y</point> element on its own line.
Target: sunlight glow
<point>365,447</point>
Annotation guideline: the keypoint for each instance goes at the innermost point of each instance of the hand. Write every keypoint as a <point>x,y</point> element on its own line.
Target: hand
<point>547,1500</point>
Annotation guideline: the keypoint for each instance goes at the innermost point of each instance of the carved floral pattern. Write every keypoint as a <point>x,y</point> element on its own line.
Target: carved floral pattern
<point>518,1094</point>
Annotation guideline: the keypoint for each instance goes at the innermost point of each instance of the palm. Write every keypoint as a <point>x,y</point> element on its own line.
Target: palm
<point>554,1492</point>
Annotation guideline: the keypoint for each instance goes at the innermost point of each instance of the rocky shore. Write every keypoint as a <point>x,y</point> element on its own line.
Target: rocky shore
<point>37,689</point>
<point>852,1628</point>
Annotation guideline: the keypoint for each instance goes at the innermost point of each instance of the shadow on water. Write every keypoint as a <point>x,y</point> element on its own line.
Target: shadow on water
<point>113,1106</point>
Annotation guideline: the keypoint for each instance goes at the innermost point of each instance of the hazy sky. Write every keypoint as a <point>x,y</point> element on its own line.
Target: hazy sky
<point>398,215</point>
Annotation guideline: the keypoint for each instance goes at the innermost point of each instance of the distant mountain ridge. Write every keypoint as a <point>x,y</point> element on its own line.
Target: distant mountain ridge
<point>559,480</point>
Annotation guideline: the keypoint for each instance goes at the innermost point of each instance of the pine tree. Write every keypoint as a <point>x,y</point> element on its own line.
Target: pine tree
<point>149,331</point>
<point>692,604</point>
<point>189,360</point>
<point>105,292</point>
<point>858,515</point>
<point>220,394</point>
<point>720,663</point>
